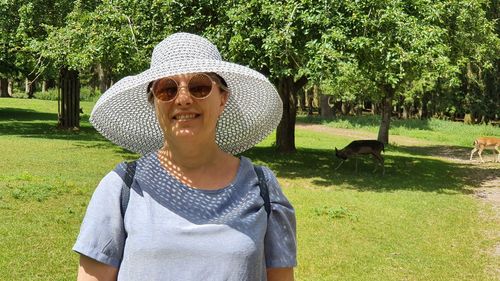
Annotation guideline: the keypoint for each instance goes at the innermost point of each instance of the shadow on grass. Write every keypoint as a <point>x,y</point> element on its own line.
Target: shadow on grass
<point>21,114</point>
<point>48,130</point>
<point>402,172</point>
<point>34,124</point>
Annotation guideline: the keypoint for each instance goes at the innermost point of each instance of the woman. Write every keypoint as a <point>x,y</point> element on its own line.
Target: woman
<point>195,211</point>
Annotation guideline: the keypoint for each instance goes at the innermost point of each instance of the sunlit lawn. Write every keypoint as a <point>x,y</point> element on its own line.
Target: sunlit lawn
<point>418,222</point>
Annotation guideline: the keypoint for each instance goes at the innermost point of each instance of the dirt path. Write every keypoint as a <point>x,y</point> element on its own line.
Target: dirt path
<point>488,192</point>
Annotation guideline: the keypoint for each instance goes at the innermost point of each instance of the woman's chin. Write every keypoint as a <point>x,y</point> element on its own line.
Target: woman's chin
<point>185,132</point>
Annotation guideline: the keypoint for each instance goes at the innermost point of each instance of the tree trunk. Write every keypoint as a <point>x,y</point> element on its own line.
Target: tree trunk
<point>375,108</point>
<point>414,108</point>
<point>424,112</point>
<point>469,119</point>
<point>69,104</point>
<point>10,87</point>
<point>431,105</point>
<point>406,111</point>
<point>346,107</point>
<point>398,108</point>
<point>285,133</point>
<point>94,84</point>
<point>302,100</point>
<point>4,88</point>
<point>326,110</point>
<point>383,132</point>
<point>103,77</point>
<point>51,83</point>
<point>30,85</point>
<point>310,101</point>
<point>357,109</point>
<point>337,107</point>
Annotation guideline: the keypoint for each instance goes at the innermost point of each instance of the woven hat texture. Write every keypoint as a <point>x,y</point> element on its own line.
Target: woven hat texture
<point>124,116</point>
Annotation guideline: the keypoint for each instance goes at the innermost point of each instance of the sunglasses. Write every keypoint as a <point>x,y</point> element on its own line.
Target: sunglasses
<point>199,87</point>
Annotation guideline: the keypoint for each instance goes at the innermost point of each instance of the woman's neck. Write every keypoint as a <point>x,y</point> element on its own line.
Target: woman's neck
<point>189,156</point>
<point>207,167</point>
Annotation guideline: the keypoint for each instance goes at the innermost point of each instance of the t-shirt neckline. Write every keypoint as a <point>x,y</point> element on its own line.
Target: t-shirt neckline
<point>233,183</point>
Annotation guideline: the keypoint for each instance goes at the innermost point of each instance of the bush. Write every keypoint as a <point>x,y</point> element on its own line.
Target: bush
<point>86,94</point>
<point>51,94</point>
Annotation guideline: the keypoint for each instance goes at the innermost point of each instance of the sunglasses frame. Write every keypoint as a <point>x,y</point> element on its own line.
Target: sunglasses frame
<point>187,88</point>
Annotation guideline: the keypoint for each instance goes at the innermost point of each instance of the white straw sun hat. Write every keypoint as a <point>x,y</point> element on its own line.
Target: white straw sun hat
<point>124,116</point>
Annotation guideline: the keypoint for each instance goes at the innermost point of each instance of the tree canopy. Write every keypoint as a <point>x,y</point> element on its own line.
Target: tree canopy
<point>440,53</point>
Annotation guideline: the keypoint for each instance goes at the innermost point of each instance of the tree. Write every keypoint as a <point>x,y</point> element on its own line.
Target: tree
<point>393,44</point>
<point>81,44</point>
<point>348,85</point>
<point>8,26</point>
<point>474,47</point>
<point>280,39</point>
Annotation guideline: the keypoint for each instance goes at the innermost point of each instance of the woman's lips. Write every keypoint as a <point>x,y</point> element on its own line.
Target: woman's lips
<point>185,116</point>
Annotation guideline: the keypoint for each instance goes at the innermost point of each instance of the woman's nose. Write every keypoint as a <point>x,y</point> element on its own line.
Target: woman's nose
<point>183,96</point>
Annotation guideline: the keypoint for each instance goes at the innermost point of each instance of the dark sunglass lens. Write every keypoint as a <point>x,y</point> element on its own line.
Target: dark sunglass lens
<point>200,86</point>
<point>165,89</point>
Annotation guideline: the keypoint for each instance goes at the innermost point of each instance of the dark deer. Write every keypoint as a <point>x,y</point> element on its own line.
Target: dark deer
<point>362,147</point>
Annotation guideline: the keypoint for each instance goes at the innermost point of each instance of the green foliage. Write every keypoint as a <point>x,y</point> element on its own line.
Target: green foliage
<point>277,38</point>
<point>350,85</point>
<point>392,44</point>
<point>354,50</point>
<point>23,28</point>
<point>84,43</point>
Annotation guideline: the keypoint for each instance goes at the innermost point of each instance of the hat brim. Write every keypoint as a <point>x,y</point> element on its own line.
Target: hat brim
<point>254,109</point>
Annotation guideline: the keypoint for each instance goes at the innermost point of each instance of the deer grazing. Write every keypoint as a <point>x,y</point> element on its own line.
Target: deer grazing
<point>486,142</point>
<point>362,147</point>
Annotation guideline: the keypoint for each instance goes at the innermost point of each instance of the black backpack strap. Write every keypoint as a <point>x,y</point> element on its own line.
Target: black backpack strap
<point>264,191</point>
<point>127,184</point>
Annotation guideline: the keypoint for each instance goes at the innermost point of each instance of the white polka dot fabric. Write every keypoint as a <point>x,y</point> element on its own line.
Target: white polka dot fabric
<point>254,109</point>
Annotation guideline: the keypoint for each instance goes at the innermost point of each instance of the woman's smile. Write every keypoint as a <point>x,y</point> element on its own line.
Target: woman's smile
<point>185,116</point>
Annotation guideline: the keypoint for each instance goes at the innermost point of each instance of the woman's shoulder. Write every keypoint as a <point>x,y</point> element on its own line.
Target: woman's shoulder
<point>269,176</point>
<point>114,179</point>
<point>140,163</point>
<point>247,163</point>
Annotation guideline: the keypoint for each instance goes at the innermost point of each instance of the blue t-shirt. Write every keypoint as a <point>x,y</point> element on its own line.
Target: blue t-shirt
<point>173,232</point>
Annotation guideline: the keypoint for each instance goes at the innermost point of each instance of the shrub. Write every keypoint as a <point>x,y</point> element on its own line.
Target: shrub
<point>86,94</point>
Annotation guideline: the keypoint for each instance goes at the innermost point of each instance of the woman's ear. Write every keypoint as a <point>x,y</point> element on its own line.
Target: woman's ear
<point>224,96</point>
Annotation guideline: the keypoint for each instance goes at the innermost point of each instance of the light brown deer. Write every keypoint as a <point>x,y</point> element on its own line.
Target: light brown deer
<point>483,143</point>
<point>362,147</point>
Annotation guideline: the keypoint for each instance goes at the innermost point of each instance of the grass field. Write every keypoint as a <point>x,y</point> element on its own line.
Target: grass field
<point>418,222</point>
<point>432,130</point>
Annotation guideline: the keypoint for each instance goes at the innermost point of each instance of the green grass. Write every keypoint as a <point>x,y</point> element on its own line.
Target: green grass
<point>418,222</point>
<point>432,130</point>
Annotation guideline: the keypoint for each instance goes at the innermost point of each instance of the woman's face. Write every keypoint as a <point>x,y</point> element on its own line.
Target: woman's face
<point>189,113</point>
